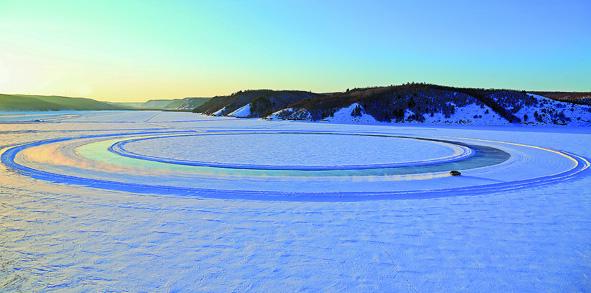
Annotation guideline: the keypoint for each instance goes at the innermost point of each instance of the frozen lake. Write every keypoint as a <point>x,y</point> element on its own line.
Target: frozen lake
<point>167,201</point>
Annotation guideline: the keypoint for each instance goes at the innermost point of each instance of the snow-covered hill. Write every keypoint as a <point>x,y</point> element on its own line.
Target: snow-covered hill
<point>261,103</point>
<point>188,104</point>
<point>546,112</point>
<point>413,103</point>
<point>185,104</point>
<point>356,114</point>
<point>542,110</point>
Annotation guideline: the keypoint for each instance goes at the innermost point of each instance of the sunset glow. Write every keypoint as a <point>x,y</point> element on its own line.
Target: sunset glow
<point>135,50</point>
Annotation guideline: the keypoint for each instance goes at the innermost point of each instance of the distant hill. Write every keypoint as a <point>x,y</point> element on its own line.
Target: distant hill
<point>583,98</point>
<point>253,103</point>
<point>48,103</point>
<point>190,103</point>
<point>408,103</point>
<point>185,104</point>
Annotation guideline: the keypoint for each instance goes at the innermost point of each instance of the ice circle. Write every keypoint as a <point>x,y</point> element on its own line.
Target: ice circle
<point>103,161</point>
<point>292,151</point>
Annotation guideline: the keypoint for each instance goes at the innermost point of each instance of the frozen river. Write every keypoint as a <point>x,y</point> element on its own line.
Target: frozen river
<point>165,201</point>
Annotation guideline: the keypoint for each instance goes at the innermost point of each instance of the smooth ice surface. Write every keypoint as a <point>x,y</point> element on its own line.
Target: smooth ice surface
<point>59,237</point>
<point>292,149</point>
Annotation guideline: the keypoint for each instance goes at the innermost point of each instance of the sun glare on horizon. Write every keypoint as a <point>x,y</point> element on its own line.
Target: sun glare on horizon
<point>136,50</point>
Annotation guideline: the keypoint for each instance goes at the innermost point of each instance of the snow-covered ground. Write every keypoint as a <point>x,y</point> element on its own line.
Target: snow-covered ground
<point>155,222</point>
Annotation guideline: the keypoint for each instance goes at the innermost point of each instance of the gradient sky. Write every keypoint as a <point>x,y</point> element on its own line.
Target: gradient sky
<point>135,50</point>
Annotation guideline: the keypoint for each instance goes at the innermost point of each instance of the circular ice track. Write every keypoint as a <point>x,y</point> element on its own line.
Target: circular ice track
<point>221,165</point>
<point>291,150</point>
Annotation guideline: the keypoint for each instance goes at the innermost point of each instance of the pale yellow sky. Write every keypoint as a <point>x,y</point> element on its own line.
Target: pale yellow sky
<point>137,50</point>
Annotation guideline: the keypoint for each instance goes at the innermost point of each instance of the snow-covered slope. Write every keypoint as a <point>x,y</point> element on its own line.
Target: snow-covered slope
<point>290,114</point>
<point>219,112</point>
<point>535,109</point>
<point>471,114</point>
<point>242,112</point>
<point>547,111</point>
<point>544,111</point>
<point>356,114</point>
<point>352,114</point>
<point>262,102</point>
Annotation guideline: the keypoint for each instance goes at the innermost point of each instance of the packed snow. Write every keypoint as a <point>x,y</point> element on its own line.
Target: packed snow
<point>61,235</point>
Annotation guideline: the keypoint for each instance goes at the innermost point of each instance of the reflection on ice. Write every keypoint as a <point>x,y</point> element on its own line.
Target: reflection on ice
<point>69,237</point>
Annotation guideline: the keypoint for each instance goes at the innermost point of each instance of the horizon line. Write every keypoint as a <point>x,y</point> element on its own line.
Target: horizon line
<point>140,100</point>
